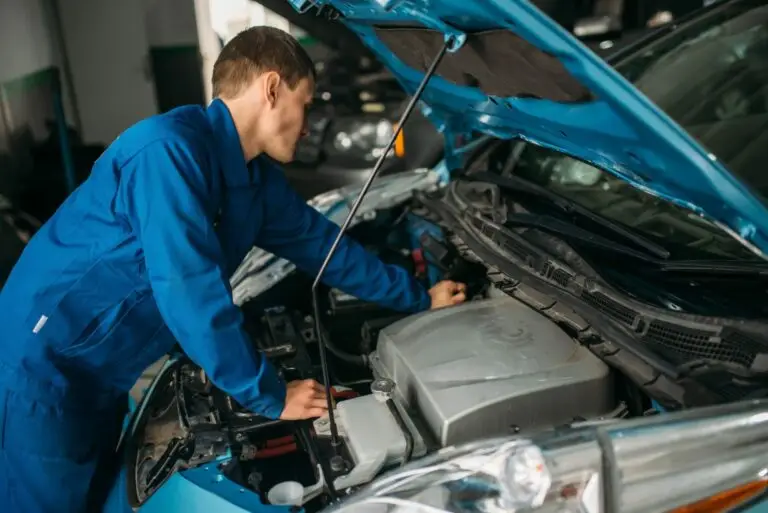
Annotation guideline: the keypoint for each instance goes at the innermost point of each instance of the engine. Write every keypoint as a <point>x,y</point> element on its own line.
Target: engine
<point>486,368</point>
<point>404,386</point>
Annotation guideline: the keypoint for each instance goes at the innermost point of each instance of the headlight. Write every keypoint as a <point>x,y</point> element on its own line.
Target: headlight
<point>703,460</point>
<point>497,476</point>
<point>360,138</point>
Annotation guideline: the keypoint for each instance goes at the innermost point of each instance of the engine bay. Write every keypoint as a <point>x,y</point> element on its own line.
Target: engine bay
<point>403,385</point>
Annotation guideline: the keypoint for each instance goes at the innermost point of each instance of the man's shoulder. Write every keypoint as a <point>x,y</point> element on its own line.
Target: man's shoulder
<point>270,172</point>
<point>184,127</point>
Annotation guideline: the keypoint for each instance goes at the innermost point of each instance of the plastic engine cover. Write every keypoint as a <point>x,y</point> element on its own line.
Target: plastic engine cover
<point>487,368</point>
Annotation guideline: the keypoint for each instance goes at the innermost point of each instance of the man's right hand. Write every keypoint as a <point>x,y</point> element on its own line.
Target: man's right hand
<point>304,399</point>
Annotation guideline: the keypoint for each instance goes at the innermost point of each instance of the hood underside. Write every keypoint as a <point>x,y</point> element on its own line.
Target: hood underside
<point>515,73</point>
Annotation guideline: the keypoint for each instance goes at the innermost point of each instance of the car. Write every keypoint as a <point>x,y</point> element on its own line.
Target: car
<point>603,24</point>
<point>613,239</point>
<point>356,106</point>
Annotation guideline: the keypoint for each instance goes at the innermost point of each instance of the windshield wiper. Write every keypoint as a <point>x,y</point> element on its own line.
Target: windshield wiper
<point>715,267</point>
<point>570,207</point>
<point>564,229</point>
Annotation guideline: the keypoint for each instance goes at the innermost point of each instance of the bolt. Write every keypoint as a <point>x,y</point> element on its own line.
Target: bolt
<point>338,464</point>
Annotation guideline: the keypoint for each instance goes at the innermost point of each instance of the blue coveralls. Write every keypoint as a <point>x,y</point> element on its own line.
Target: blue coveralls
<point>132,263</point>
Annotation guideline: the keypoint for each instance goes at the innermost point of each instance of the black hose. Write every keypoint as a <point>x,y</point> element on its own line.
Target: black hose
<point>406,432</point>
<point>354,359</point>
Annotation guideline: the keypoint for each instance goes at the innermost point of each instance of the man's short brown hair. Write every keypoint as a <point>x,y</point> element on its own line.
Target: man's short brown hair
<point>255,51</point>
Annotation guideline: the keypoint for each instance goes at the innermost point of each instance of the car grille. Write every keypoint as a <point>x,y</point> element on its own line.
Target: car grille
<point>679,343</point>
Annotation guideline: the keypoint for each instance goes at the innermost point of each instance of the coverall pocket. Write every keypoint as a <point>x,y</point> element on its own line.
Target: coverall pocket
<point>103,326</point>
<point>84,309</point>
<point>116,353</point>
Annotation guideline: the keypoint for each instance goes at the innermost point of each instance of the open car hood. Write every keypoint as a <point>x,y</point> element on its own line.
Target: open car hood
<point>517,74</point>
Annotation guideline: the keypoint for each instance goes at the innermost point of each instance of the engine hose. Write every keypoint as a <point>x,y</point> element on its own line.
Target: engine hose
<point>354,359</point>
<point>404,429</point>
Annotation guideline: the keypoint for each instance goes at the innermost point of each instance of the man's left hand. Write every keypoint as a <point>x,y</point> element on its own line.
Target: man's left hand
<point>447,293</point>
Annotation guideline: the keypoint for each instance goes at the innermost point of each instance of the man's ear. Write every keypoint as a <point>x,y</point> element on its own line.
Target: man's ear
<point>271,87</point>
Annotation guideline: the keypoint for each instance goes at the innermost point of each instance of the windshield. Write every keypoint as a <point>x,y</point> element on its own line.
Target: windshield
<point>711,76</point>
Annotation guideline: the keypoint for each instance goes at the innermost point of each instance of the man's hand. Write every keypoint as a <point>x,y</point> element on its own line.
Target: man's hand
<point>447,293</point>
<point>304,400</point>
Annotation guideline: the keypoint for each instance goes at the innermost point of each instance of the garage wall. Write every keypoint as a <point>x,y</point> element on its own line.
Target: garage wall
<point>174,52</point>
<point>25,44</point>
<point>107,44</point>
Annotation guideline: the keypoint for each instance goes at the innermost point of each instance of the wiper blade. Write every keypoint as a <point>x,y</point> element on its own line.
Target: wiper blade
<point>564,229</point>
<point>716,267</point>
<point>518,184</point>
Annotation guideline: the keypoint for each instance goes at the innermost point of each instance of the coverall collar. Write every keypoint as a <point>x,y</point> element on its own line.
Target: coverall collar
<point>237,172</point>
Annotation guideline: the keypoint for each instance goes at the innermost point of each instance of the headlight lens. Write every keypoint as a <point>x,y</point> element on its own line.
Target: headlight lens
<point>702,460</point>
<point>499,476</point>
<point>366,139</point>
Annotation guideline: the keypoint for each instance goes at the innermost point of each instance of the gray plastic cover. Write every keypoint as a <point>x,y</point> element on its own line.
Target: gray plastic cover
<point>490,367</point>
<point>374,439</point>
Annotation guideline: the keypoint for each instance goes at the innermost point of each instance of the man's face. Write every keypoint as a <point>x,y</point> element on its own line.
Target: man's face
<point>285,121</point>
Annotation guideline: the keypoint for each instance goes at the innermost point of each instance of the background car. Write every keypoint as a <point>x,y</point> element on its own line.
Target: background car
<point>356,107</point>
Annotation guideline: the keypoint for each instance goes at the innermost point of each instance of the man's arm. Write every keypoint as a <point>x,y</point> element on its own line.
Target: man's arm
<point>297,232</point>
<point>165,201</point>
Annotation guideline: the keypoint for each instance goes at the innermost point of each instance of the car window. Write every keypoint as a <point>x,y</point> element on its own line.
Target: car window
<point>711,77</point>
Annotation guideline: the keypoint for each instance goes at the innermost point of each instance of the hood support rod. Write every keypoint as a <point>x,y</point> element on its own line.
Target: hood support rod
<point>352,211</point>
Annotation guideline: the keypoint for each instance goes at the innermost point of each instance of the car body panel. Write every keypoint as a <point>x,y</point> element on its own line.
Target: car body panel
<point>202,489</point>
<point>620,130</point>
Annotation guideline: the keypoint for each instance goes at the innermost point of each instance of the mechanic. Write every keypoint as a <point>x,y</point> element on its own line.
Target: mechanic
<point>139,257</point>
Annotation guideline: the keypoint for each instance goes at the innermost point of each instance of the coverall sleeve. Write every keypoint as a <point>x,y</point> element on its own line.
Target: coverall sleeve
<point>166,198</point>
<point>299,233</point>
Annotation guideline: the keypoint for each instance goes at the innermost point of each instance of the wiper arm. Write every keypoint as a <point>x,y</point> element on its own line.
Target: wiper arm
<point>716,267</point>
<point>564,229</point>
<point>518,184</point>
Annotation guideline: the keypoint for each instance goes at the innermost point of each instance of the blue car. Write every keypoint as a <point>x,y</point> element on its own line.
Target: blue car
<point>611,224</point>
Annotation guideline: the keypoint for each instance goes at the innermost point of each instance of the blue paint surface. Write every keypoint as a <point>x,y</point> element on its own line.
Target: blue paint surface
<point>621,131</point>
<point>200,490</point>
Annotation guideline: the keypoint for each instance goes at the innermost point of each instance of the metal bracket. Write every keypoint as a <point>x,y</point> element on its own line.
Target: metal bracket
<point>303,6</point>
<point>453,37</point>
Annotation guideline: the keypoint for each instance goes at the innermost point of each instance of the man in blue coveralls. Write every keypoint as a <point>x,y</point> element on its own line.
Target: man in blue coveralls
<point>139,257</point>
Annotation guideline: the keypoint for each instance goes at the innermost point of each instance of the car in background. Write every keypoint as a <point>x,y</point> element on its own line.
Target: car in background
<point>356,107</point>
<point>613,355</point>
<point>605,25</point>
